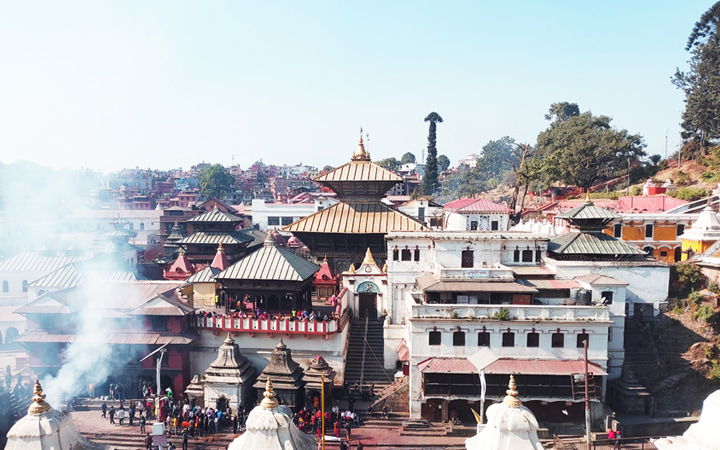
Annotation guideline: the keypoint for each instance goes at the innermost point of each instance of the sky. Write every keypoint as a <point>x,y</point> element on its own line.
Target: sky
<point>165,84</point>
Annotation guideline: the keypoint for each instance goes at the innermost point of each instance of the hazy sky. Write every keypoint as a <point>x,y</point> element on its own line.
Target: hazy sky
<point>158,84</point>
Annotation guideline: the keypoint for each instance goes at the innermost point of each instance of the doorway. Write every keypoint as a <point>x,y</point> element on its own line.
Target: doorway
<point>368,306</point>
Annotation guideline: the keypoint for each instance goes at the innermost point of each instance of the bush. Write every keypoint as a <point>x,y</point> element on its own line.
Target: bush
<point>690,194</point>
<point>714,373</point>
<point>503,314</point>
<point>704,313</point>
<point>695,298</point>
<point>709,175</point>
<point>682,178</point>
<point>713,287</point>
<point>690,275</point>
<point>636,190</point>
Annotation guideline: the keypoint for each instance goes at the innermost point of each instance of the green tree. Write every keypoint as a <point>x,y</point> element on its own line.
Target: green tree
<point>497,157</point>
<point>407,158</point>
<point>562,111</point>
<point>430,180</point>
<point>216,182</point>
<point>583,149</point>
<point>443,163</point>
<point>701,83</point>
<point>389,163</point>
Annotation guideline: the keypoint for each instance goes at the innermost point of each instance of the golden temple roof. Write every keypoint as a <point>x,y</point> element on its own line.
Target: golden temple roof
<point>359,170</point>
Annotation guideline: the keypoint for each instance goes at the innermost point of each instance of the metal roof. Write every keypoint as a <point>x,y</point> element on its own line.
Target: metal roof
<point>580,243</point>
<point>163,305</point>
<point>216,216</point>
<point>359,171</point>
<point>479,286</point>
<point>71,275</point>
<point>510,366</point>
<point>113,337</point>
<point>602,280</point>
<point>270,263</point>
<point>356,217</point>
<point>33,262</point>
<point>588,211</point>
<point>206,275</point>
<point>476,205</point>
<point>551,284</point>
<point>216,237</point>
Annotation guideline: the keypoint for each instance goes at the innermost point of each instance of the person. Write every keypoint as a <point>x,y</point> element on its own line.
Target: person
<point>131,413</point>
<point>611,435</point>
<point>359,446</point>
<point>103,408</point>
<point>142,423</point>
<point>185,440</point>
<point>148,442</point>
<point>343,445</point>
<point>348,430</point>
<point>111,414</point>
<point>384,411</point>
<point>618,439</point>
<point>121,415</point>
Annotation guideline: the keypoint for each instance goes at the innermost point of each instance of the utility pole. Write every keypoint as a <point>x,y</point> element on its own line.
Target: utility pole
<point>322,410</point>
<point>588,437</point>
<point>628,187</point>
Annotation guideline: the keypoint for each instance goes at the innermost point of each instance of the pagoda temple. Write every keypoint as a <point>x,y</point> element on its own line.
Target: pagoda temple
<point>359,220</point>
<point>211,229</point>
<point>228,380</point>
<point>287,376</point>
<point>314,374</point>
<point>324,282</point>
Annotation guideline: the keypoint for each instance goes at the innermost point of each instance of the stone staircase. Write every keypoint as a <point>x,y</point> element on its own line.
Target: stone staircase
<point>364,364</point>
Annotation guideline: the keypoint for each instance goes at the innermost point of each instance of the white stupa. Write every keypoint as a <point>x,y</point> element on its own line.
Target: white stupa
<point>702,435</point>
<point>270,426</point>
<point>510,426</point>
<point>44,428</point>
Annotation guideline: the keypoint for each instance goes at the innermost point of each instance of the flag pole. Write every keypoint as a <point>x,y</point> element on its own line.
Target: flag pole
<point>322,410</point>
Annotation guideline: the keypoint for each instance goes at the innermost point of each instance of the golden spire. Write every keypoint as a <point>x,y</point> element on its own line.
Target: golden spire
<point>369,260</point>
<point>352,268</point>
<point>220,248</point>
<point>360,154</point>
<point>38,405</point>
<point>325,259</point>
<point>269,402</point>
<point>511,400</point>
<point>587,195</point>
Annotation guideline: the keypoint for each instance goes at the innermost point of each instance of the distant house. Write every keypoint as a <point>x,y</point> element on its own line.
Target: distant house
<point>475,214</point>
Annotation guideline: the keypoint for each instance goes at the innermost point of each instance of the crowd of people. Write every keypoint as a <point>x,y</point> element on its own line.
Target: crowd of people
<point>307,314</point>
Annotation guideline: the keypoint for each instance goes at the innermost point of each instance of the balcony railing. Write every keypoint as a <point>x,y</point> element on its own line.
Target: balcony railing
<point>512,312</point>
<point>476,273</point>
<point>278,325</point>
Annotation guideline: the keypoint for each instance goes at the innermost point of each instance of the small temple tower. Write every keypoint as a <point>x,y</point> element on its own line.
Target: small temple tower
<point>270,426</point>
<point>228,379</point>
<point>313,381</point>
<point>510,425</point>
<point>324,282</point>
<point>45,428</point>
<point>701,235</point>
<point>180,269</point>
<point>287,376</point>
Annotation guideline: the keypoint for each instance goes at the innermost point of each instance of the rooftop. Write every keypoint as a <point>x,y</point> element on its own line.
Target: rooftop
<point>356,217</point>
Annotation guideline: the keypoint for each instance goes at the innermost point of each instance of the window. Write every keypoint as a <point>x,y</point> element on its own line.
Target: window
<point>405,254</point>
<point>663,253</point>
<point>484,339</point>
<point>286,220</point>
<point>396,254</point>
<point>434,338</point>
<point>581,338</point>
<point>516,255</point>
<point>617,230</point>
<point>558,340</point>
<point>680,229</point>
<point>527,256</point>
<point>25,286</point>
<point>473,225</point>
<point>648,231</point>
<point>677,256</point>
<point>533,339</point>
<point>142,226</point>
<point>467,258</point>
<point>494,225</point>
<point>508,339</point>
<point>459,339</point>
<point>538,255</point>
<point>6,286</point>
<point>273,221</point>
<point>416,254</point>
<point>607,297</point>
<point>421,213</point>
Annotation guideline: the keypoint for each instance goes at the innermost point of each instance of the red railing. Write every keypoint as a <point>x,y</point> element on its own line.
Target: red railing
<point>279,325</point>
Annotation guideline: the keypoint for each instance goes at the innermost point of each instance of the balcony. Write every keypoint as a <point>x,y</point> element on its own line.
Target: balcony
<point>477,273</point>
<point>560,313</point>
<point>277,325</point>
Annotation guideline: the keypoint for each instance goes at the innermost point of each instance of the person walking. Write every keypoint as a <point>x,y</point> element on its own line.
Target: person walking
<point>348,430</point>
<point>103,408</point>
<point>148,442</point>
<point>111,414</point>
<point>185,440</point>
<point>131,413</point>
<point>142,424</point>
<point>121,415</point>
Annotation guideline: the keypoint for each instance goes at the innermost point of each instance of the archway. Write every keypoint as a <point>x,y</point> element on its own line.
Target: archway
<point>367,304</point>
<point>11,334</point>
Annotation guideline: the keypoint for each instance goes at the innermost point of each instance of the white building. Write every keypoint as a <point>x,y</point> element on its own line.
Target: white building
<point>272,216</point>
<point>474,214</point>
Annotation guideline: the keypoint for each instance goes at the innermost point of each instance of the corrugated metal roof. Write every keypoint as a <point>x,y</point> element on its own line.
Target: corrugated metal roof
<point>216,216</point>
<point>113,337</point>
<point>359,171</point>
<point>216,237</point>
<point>579,243</point>
<point>602,280</point>
<point>72,275</point>
<point>32,262</point>
<point>270,263</point>
<point>476,205</point>
<point>356,217</point>
<point>479,286</point>
<point>588,211</point>
<point>206,275</point>
<point>163,305</point>
<point>511,366</point>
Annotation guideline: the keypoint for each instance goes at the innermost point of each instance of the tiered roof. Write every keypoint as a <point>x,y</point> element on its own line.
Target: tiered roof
<point>230,366</point>
<point>313,375</point>
<point>356,217</point>
<point>283,370</point>
<point>270,263</point>
<point>215,216</point>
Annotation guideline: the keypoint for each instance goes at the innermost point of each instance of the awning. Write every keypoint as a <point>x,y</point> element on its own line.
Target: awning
<point>551,284</point>
<point>510,366</point>
<point>480,286</point>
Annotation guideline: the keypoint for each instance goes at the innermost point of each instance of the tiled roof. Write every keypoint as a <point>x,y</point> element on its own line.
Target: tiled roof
<point>588,211</point>
<point>476,205</point>
<point>71,275</point>
<point>216,216</point>
<point>270,263</point>
<point>580,243</point>
<point>32,262</point>
<point>356,217</point>
<point>359,171</point>
<point>206,275</point>
<point>216,237</point>
<point>510,366</point>
<point>112,337</point>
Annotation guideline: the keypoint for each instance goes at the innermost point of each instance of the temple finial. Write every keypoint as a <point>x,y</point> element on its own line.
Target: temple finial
<point>360,154</point>
<point>511,399</point>
<point>369,260</point>
<point>38,405</point>
<point>269,401</point>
